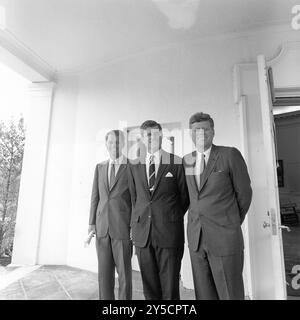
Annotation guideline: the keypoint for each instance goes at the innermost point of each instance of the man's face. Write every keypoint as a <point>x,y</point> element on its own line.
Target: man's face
<point>152,139</point>
<point>202,135</point>
<point>114,146</point>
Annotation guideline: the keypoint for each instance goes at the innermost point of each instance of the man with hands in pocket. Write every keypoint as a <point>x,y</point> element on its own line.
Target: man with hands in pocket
<point>220,196</point>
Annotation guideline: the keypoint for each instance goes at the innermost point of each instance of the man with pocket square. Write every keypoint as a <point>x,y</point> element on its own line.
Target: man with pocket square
<point>220,195</point>
<point>160,199</point>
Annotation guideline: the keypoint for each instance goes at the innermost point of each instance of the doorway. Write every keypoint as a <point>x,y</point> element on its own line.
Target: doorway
<point>287,125</point>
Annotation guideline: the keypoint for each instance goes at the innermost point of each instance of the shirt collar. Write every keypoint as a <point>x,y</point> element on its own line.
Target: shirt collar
<point>156,155</point>
<point>206,153</point>
<point>117,161</point>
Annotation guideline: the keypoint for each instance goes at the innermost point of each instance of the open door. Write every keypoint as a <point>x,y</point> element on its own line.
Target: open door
<point>264,226</point>
<point>264,260</point>
<point>273,221</point>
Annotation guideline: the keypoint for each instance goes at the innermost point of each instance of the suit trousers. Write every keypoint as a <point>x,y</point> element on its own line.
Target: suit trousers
<point>114,254</point>
<point>217,277</point>
<point>160,271</point>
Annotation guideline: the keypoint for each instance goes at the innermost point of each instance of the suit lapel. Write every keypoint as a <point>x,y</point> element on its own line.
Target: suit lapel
<point>143,175</point>
<point>119,173</point>
<point>190,163</point>
<point>193,177</point>
<point>164,162</point>
<point>211,163</point>
<point>105,175</point>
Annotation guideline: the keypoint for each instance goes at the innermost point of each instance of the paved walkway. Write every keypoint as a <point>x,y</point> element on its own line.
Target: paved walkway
<point>65,283</point>
<point>50,282</point>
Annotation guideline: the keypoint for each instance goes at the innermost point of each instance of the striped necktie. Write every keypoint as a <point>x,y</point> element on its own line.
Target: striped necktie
<point>151,173</point>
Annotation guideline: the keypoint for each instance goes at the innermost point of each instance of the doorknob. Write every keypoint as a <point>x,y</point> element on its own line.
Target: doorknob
<point>284,227</point>
<point>266,225</point>
<point>273,224</point>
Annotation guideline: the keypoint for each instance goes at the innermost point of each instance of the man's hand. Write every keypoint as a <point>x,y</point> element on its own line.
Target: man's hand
<point>91,234</point>
<point>92,228</point>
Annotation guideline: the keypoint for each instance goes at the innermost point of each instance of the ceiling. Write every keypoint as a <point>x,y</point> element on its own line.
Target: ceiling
<point>70,35</point>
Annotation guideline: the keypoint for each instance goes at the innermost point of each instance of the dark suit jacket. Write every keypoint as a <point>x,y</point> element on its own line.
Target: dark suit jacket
<point>111,209</point>
<point>222,203</point>
<point>165,208</point>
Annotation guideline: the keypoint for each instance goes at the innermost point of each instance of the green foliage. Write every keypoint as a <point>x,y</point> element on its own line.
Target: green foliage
<point>12,139</point>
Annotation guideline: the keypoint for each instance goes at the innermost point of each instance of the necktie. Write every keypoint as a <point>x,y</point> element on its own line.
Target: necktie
<point>112,175</point>
<point>151,173</point>
<point>202,164</point>
<point>202,168</point>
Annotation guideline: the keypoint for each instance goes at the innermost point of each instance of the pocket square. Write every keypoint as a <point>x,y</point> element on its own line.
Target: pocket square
<point>168,175</point>
<point>219,171</point>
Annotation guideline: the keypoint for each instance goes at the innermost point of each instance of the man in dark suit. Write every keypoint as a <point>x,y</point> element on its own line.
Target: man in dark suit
<point>110,219</point>
<point>220,196</point>
<point>160,200</point>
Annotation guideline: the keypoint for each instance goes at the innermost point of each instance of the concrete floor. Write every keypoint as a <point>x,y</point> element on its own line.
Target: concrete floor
<point>67,283</point>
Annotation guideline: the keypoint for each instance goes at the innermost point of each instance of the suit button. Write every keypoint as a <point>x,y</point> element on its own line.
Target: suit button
<point>149,217</point>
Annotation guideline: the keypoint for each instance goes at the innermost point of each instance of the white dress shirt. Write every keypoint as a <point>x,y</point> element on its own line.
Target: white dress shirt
<point>157,156</point>
<point>198,164</point>
<point>117,163</point>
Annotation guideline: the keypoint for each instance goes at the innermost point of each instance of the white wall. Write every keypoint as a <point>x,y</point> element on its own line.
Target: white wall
<point>167,86</point>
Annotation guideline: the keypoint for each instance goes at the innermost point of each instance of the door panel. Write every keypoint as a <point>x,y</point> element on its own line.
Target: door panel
<point>265,268</point>
<point>272,195</point>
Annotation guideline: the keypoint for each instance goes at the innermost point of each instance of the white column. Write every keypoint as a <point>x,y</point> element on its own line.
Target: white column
<point>31,195</point>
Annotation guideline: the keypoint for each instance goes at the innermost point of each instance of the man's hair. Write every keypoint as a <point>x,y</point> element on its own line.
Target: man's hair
<point>200,117</point>
<point>117,133</point>
<point>150,124</point>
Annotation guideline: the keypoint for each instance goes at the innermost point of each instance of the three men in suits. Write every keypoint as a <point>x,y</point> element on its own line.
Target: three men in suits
<point>110,215</point>
<point>160,199</point>
<point>220,196</point>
